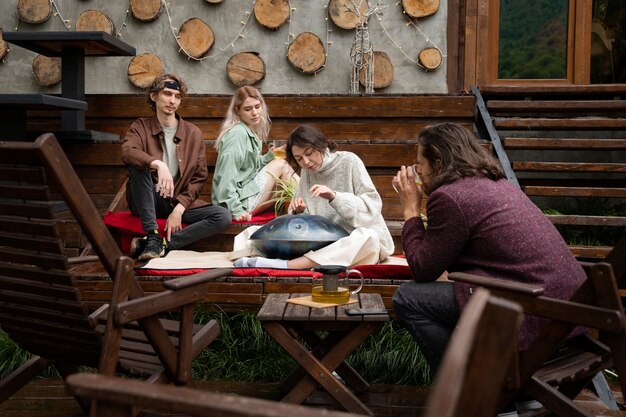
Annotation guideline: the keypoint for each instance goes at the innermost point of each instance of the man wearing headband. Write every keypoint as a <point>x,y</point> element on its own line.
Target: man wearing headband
<point>167,169</point>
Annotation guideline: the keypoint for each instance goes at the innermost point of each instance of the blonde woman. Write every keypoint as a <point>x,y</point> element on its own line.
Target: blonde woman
<point>244,178</point>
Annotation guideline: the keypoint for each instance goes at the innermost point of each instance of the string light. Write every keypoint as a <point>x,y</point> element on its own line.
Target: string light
<point>410,22</point>
<point>119,32</point>
<point>229,45</point>
<point>66,22</point>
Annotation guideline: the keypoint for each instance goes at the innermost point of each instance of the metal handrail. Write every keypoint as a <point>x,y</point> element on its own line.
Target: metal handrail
<point>487,130</point>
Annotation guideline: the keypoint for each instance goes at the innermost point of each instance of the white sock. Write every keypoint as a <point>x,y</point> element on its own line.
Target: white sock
<point>261,262</point>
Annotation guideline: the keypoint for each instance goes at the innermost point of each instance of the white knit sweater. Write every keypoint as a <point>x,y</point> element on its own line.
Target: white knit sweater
<point>357,203</point>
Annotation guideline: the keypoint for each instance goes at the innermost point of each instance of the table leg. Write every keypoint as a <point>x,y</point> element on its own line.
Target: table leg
<point>320,371</point>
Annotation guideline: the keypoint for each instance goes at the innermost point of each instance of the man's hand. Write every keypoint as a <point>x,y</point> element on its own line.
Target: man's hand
<point>410,194</point>
<point>174,221</point>
<point>165,184</point>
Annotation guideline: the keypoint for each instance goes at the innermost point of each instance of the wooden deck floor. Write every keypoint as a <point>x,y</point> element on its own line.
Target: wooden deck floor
<point>47,398</point>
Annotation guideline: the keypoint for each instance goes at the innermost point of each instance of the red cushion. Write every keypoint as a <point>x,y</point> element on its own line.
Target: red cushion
<point>129,226</point>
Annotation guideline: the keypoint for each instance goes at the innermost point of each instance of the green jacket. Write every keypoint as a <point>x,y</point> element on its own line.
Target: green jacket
<point>238,161</point>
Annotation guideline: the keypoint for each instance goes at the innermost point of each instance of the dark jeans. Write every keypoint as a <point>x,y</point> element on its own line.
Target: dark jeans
<point>148,205</point>
<point>429,312</point>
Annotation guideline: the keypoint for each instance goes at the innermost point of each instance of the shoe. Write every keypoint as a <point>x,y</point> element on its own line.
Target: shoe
<point>524,406</point>
<point>137,245</point>
<point>154,248</point>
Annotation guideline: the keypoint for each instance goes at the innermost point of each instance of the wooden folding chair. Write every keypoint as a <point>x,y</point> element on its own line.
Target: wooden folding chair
<point>479,359</point>
<point>555,369</point>
<point>474,368</point>
<point>40,306</point>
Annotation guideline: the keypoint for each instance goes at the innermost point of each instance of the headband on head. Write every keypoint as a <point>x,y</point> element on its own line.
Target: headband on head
<point>174,85</point>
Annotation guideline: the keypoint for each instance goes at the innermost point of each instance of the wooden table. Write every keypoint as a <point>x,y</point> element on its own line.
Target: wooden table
<point>289,324</point>
<point>72,47</point>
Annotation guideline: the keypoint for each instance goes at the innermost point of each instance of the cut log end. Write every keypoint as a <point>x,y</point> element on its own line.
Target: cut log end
<point>143,69</point>
<point>195,38</point>
<point>47,70</point>
<point>307,53</point>
<point>146,10</point>
<point>4,47</point>
<point>245,68</point>
<point>34,11</point>
<point>95,20</point>
<point>430,58</point>
<point>271,14</point>
<point>420,8</point>
<point>345,15</point>
<point>383,71</point>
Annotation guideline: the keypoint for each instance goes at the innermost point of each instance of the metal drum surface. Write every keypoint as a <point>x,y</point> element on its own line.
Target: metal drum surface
<point>292,235</point>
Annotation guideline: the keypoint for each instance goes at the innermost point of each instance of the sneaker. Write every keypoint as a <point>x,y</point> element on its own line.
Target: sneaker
<point>154,248</point>
<point>524,406</point>
<point>137,245</point>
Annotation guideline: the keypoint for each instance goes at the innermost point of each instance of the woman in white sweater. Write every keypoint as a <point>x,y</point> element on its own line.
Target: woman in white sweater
<point>336,185</point>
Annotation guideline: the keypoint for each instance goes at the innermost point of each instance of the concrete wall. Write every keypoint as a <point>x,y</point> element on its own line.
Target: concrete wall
<point>208,76</point>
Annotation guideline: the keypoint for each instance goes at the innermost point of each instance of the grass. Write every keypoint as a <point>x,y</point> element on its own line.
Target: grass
<point>245,352</point>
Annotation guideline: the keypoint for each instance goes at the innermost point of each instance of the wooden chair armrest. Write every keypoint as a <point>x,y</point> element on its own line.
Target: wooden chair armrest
<point>82,259</point>
<point>496,283</point>
<point>195,279</point>
<point>113,392</point>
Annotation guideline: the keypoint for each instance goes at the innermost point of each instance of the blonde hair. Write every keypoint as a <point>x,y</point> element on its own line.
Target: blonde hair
<point>232,118</point>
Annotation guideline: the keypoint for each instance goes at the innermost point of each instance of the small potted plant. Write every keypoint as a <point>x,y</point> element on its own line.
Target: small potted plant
<point>282,195</point>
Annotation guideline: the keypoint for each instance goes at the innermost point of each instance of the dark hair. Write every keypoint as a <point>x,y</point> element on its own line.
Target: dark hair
<point>307,136</point>
<point>159,84</point>
<point>459,152</point>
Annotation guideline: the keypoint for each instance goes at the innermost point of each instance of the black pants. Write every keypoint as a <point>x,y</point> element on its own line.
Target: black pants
<point>148,205</point>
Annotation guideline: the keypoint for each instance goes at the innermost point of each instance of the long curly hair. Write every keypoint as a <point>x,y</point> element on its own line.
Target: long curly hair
<point>460,153</point>
<point>232,118</point>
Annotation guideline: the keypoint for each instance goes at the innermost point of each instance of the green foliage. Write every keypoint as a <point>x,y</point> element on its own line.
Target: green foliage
<point>12,356</point>
<point>284,193</point>
<point>245,352</point>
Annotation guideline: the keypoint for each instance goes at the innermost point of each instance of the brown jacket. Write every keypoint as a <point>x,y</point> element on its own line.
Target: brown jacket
<point>142,145</point>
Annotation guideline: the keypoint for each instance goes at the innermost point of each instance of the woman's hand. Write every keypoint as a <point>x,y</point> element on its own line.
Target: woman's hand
<point>410,193</point>
<point>245,217</point>
<point>323,191</point>
<point>297,206</point>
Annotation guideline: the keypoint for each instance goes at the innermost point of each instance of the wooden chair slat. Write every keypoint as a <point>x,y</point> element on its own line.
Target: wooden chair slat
<point>32,273</point>
<point>62,292</point>
<point>38,211</point>
<point>30,305</point>
<point>29,227</point>
<point>33,258</point>
<point>26,192</point>
<point>36,244</point>
<point>31,175</point>
<point>587,220</point>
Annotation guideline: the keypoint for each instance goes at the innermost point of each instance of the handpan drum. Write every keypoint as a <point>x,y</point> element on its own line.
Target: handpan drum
<point>292,235</point>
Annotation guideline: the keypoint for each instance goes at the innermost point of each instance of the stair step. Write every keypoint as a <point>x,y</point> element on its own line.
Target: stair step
<point>575,191</point>
<point>569,166</point>
<point>581,220</point>
<point>564,143</point>
<point>562,124</point>
<point>562,105</point>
